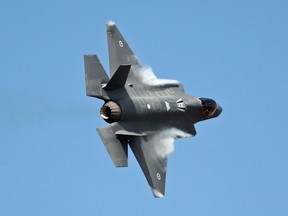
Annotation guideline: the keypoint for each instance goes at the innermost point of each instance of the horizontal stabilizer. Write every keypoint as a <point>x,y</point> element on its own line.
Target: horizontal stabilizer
<point>119,78</point>
<point>95,76</point>
<point>117,149</point>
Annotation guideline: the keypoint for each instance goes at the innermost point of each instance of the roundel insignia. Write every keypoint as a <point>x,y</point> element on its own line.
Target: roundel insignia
<point>158,176</point>
<point>120,43</point>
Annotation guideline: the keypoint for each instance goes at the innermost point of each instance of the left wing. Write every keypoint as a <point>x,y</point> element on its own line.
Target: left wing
<point>154,166</point>
<point>119,51</point>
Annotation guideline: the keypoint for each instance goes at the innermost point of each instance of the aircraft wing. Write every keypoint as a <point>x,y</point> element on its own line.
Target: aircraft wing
<point>119,51</point>
<point>154,166</point>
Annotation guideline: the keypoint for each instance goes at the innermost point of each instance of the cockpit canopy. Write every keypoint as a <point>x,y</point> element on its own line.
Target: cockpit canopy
<point>208,106</point>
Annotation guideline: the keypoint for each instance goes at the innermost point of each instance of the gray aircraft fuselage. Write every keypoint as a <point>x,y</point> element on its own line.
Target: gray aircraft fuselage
<point>158,107</point>
<point>139,110</point>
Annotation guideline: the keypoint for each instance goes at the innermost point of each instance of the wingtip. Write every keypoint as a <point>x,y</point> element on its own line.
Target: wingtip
<point>157,193</point>
<point>110,25</point>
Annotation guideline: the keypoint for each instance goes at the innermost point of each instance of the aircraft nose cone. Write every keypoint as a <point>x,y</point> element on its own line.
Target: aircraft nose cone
<point>218,110</point>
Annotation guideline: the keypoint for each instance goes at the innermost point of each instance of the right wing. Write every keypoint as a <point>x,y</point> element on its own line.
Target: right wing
<point>154,166</point>
<point>150,149</point>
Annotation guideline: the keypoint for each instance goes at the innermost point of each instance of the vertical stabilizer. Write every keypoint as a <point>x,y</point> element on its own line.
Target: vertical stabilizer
<point>119,78</point>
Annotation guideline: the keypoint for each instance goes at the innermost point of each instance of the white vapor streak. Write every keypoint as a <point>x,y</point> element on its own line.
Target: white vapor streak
<point>164,141</point>
<point>157,193</point>
<point>110,23</point>
<point>146,76</point>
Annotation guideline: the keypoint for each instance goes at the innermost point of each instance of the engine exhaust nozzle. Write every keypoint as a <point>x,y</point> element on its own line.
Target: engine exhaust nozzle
<point>111,112</point>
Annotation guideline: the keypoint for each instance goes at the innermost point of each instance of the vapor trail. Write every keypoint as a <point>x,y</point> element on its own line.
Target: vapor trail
<point>163,142</point>
<point>146,76</point>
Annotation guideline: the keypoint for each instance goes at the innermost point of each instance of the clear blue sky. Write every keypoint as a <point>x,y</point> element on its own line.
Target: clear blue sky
<point>52,161</point>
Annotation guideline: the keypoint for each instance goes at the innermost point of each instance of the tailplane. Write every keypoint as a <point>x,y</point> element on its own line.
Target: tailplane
<point>95,76</point>
<point>117,149</point>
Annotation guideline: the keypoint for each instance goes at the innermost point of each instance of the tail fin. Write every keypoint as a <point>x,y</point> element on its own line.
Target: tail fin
<point>119,78</point>
<point>95,76</point>
<point>119,51</point>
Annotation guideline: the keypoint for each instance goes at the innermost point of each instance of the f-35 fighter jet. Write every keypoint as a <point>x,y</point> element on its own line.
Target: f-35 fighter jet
<point>142,111</point>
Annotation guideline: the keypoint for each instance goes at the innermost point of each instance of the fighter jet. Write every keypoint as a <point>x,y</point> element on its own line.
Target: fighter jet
<point>142,112</point>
